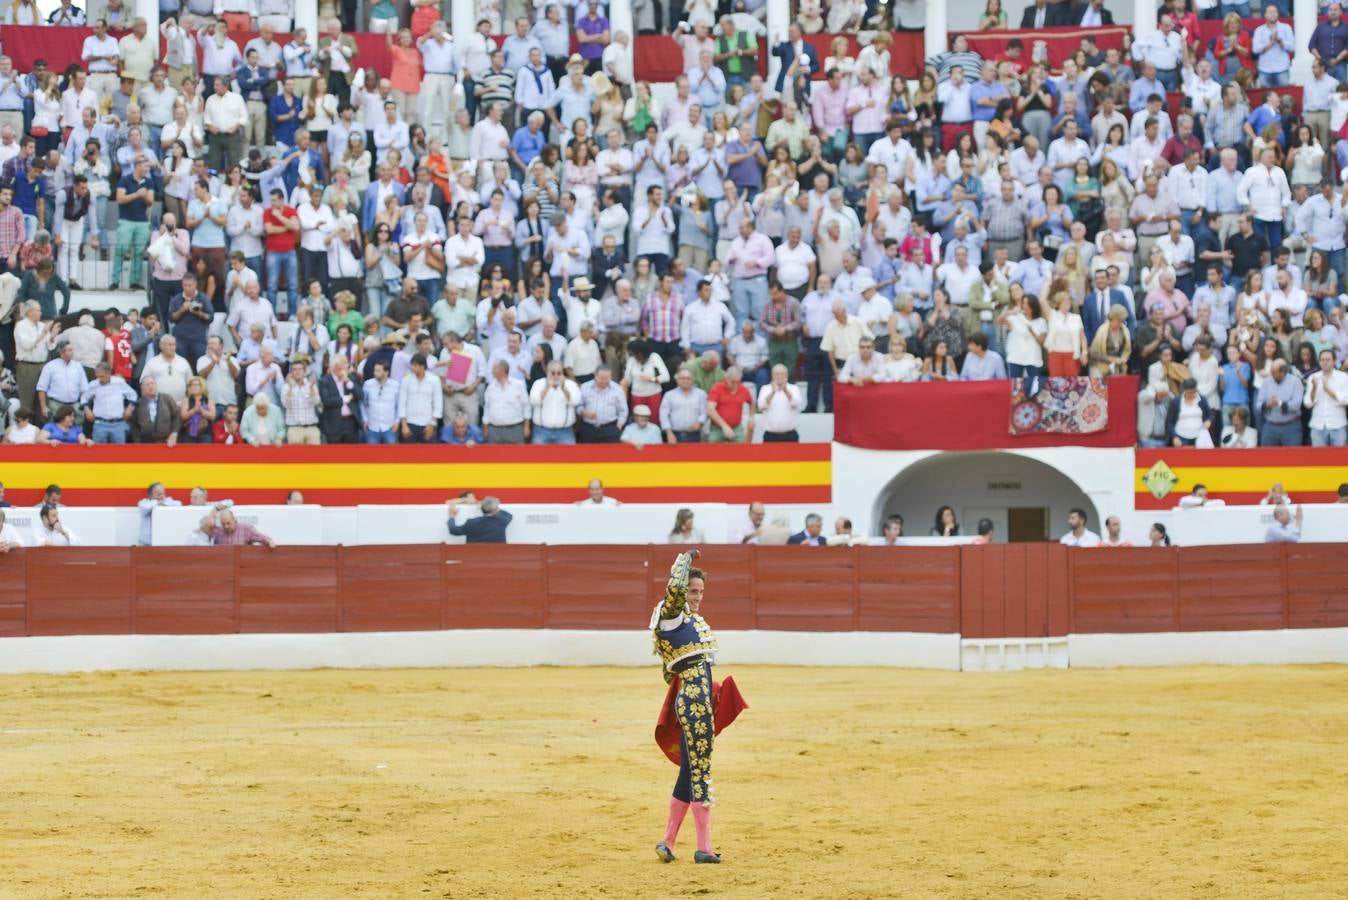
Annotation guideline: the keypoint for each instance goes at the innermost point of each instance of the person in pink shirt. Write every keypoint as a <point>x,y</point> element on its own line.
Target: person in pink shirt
<point>1174,305</point>
<point>828,112</point>
<point>868,105</point>
<point>406,73</point>
<point>751,255</point>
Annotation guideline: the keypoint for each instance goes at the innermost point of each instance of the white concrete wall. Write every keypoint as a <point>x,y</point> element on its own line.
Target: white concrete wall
<point>862,478</point>
<point>521,647</point>
<point>435,649</point>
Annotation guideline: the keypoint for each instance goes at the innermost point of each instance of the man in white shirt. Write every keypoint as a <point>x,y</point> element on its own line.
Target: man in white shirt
<point>489,141</point>
<point>315,219</point>
<point>437,84</point>
<point>101,57</point>
<point>707,323</point>
<point>76,98</point>
<point>507,411</point>
<point>244,227</point>
<point>568,249</point>
<point>464,257</point>
<point>1078,535</point>
<point>169,370</point>
<point>420,404</point>
<point>795,264</point>
<point>894,153</point>
<point>1327,398</point>
<point>391,133</point>
<point>1265,191</point>
<point>226,117</point>
<point>554,399</point>
<point>779,406</point>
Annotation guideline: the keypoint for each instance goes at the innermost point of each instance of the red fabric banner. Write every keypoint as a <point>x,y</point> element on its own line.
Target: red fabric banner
<point>61,46</point>
<point>1062,42</point>
<point>962,415</point>
<point>1256,95</point>
<point>657,58</point>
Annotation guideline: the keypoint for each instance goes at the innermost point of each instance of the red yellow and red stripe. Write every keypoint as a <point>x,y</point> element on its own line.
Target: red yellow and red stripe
<point>348,475</point>
<point>1242,477</point>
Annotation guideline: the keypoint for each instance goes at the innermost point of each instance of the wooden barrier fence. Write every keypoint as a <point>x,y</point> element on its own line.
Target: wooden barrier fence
<point>1017,590</point>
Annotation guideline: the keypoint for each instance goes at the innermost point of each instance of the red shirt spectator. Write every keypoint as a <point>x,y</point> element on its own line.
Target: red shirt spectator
<point>283,241</point>
<point>118,344</point>
<point>729,401</point>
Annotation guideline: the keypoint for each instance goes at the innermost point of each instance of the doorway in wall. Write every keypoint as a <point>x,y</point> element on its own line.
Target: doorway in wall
<point>1026,500</point>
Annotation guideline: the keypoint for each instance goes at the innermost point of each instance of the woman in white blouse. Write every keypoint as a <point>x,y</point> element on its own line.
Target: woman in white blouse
<point>1066,341</point>
<point>1026,332</point>
<point>645,376</point>
<point>183,129</point>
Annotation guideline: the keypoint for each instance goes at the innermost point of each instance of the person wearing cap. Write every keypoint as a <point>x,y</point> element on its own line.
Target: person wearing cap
<point>875,310</point>
<point>641,430</point>
<point>1187,417</point>
<point>572,100</point>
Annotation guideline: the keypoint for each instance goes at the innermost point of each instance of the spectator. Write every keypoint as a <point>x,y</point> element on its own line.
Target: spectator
<point>263,423</point>
<point>507,410</point>
<point>602,410</point>
<point>157,419</point>
<point>1280,400</point>
<point>155,498</point>
<point>229,531</point>
<point>641,430</point>
<point>1326,397</point>
<point>812,535</point>
<point>169,370</point>
<point>683,411</point>
<point>488,528</point>
<point>109,403</point>
<point>1283,529</point>
<point>730,408</point>
<point>1078,535</point>
<point>554,399</point>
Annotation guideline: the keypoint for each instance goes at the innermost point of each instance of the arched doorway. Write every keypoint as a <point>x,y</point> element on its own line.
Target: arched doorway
<point>1027,500</point>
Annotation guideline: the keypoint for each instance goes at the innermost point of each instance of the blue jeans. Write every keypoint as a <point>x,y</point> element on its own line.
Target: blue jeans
<point>1240,9</point>
<point>1280,434</point>
<point>1169,78</point>
<point>109,432</point>
<point>1339,72</point>
<point>1329,437</point>
<point>1275,79</point>
<point>379,437</point>
<point>699,349</point>
<point>1272,232</point>
<point>553,435</point>
<point>1186,221</point>
<point>275,263</point>
<point>748,296</point>
<point>430,289</point>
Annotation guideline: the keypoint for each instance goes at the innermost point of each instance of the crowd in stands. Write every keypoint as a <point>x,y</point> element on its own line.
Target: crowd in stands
<point>516,242</point>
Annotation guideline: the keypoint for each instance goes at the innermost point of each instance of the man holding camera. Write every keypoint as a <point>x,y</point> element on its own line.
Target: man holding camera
<point>191,313</point>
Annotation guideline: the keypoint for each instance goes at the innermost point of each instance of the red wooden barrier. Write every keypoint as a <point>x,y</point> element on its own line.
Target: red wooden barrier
<point>1018,590</point>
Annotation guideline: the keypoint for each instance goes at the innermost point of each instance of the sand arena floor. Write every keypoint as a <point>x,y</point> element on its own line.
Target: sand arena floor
<point>546,783</point>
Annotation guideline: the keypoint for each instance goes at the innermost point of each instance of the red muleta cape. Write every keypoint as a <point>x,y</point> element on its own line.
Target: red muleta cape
<point>726,702</point>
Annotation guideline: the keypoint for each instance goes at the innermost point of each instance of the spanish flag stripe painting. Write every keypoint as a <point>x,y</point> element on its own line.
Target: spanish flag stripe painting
<point>1240,477</point>
<point>342,475</point>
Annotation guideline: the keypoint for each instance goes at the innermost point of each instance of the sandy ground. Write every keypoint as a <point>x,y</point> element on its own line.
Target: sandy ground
<point>546,783</point>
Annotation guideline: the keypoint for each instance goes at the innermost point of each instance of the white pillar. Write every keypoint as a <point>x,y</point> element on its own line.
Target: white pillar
<point>306,17</point>
<point>463,22</point>
<point>1304,20</point>
<point>149,11</point>
<point>1144,18</point>
<point>621,18</point>
<point>779,17</point>
<point>934,37</point>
